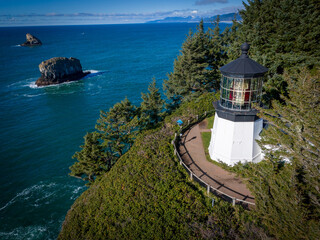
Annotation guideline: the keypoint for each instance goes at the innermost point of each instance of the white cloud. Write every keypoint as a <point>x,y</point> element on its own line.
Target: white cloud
<point>105,18</point>
<point>207,2</point>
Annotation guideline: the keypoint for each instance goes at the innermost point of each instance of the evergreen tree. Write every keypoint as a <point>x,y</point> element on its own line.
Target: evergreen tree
<point>191,75</point>
<point>216,56</point>
<point>92,159</point>
<point>288,194</point>
<point>283,34</point>
<point>118,127</point>
<point>151,107</point>
<point>232,39</point>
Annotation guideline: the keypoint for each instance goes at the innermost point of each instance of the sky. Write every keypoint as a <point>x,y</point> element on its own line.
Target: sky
<point>82,12</point>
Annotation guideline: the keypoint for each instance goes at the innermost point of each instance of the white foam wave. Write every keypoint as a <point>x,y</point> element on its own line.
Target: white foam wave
<point>31,96</point>
<point>93,71</point>
<point>77,189</point>
<point>75,192</point>
<point>16,45</point>
<point>32,85</point>
<point>25,194</point>
<point>31,82</point>
<point>29,232</point>
<point>23,83</point>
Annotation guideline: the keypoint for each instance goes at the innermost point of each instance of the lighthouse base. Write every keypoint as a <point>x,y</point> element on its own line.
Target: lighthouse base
<point>233,142</point>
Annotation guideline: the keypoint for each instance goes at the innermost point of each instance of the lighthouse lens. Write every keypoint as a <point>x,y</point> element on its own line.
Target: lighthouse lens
<point>239,93</point>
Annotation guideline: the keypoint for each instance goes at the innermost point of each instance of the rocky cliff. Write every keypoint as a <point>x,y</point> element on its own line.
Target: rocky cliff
<point>31,41</point>
<point>59,70</point>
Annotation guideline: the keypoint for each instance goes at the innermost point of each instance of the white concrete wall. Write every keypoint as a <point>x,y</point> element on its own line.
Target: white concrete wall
<point>232,142</point>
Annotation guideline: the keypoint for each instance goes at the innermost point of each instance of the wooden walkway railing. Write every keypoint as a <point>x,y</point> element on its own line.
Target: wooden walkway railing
<point>194,177</point>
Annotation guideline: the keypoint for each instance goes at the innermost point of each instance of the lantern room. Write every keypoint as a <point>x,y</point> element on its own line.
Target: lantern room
<point>239,93</point>
<point>236,125</point>
<point>241,83</point>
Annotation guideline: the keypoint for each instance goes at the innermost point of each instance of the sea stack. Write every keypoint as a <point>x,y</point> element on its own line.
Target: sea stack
<point>59,70</point>
<point>31,41</point>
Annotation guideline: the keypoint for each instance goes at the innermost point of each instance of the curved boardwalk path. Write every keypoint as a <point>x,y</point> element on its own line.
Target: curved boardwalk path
<point>193,155</point>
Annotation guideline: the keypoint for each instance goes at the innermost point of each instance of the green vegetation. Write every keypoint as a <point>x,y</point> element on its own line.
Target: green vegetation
<point>137,188</point>
<point>290,195</point>
<point>283,34</point>
<point>206,137</point>
<point>148,195</point>
<point>151,107</point>
<point>92,161</point>
<point>195,69</point>
<point>116,132</point>
<point>210,121</point>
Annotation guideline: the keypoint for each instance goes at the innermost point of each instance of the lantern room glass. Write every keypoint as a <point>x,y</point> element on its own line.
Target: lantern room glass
<point>239,93</point>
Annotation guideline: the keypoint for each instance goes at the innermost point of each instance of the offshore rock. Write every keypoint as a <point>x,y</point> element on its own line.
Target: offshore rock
<point>59,70</point>
<point>31,41</point>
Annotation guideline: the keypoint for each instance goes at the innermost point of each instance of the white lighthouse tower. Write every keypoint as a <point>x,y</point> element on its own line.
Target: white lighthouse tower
<point>236,125</point>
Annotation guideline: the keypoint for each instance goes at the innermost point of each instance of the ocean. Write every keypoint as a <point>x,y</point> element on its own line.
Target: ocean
<point>42,127</point>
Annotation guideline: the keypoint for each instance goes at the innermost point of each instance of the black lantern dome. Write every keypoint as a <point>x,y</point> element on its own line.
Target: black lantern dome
<point>241,83</point>
<point>243,67</point>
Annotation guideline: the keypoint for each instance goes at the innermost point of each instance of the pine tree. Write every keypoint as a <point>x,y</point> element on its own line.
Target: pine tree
<point>92,160</point>
<point>216,56</point>
<point>117,127</point>
<point>283,34</point>
<point>191,75</point>
<point>232,39</point>
<point>288,194</point>
<point>151,107</point>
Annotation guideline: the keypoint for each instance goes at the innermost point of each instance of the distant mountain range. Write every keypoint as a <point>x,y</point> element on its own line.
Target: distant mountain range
<point>223,18</point>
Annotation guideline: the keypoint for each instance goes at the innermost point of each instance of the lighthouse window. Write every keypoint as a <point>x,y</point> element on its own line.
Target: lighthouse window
<point>239,93</point>
<point>238,84</point>
<point>254,96</point>
<point>229,82</point>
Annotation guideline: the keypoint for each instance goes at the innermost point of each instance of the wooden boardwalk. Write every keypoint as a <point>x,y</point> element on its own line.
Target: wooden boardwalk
<point>193,155</point>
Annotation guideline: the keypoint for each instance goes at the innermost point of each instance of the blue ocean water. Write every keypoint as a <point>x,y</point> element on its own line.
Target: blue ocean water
<point>41,128</point>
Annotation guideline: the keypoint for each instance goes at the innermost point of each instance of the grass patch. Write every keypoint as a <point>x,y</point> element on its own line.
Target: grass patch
<point>206,137</point>
<point>210,122</point>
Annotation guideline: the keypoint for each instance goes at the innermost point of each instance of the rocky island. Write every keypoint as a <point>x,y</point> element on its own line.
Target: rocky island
<point>31,41</point>
<point>59,70</point>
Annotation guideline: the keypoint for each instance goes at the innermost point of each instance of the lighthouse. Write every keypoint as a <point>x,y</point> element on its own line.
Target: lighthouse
<point>236,125</point>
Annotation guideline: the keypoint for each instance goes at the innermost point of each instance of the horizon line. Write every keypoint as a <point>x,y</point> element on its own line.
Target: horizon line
<point>96,24</point>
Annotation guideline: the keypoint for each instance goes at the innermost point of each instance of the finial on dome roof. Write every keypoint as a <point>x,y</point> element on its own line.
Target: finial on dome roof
<point>245,48</point>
